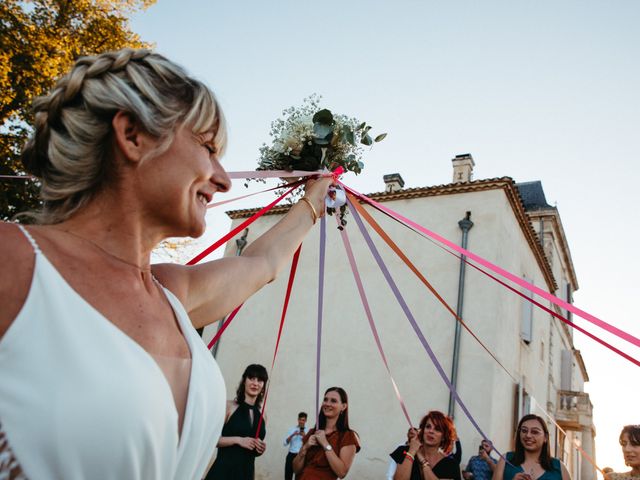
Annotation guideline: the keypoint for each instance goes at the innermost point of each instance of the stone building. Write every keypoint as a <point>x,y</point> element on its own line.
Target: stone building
<point>508,224</point>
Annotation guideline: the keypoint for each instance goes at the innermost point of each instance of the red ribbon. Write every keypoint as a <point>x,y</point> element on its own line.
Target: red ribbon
<point>240,227</point>
<point>224,326</point>
<point>285,307</point>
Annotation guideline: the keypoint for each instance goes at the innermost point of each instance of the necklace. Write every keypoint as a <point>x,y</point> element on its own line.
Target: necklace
<point>109,254</point>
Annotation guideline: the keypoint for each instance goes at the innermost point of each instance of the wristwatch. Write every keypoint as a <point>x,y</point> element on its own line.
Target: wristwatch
<point>328,448</point>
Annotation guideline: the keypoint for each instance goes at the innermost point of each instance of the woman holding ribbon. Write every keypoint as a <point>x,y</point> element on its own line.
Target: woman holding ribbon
<point>329,449</point>
<point>427,455</point>
<point>240,442</point>
<point>630,443</point>
<point>532,458</point>
<point>103,373</point>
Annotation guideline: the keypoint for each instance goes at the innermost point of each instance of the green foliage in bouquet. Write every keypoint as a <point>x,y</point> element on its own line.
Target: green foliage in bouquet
<point>310,138</point>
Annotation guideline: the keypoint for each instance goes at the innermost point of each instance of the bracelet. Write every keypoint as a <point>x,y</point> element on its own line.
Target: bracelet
<point>409,456</point>
<point>314,214</point>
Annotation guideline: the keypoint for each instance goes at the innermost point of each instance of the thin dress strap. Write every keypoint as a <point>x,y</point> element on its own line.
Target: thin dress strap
<point>32,241</point>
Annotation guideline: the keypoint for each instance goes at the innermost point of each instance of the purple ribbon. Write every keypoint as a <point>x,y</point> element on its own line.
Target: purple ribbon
<point>323,241</point>
<point>372,324</point>
<point>412,321</point>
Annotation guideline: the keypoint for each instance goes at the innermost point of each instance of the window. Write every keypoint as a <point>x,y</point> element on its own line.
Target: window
<point>526,325</point>
<point>566,361</point>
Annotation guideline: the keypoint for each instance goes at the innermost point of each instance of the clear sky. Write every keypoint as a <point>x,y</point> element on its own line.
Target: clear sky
<point>544,90</point>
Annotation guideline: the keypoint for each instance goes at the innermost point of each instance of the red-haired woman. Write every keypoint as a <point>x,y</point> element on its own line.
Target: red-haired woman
<point>532,457</point>
<point>427,455</point>
<point>328,451</point>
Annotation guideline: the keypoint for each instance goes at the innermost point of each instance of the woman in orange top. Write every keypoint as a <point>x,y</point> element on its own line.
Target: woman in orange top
<point>328,451</point>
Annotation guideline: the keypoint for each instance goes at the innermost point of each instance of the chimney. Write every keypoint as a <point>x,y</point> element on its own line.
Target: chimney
<point>393,182</point>
<point>463,168</point>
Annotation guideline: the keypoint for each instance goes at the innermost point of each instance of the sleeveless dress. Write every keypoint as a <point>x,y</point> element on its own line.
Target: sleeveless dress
<point>235,462</point>
<point>510,470</point>
<point>80,399</point>
<point>316,465</point>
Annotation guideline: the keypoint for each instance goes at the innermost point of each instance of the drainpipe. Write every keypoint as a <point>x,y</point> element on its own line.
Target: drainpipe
<point>465,225</point>
<point>240,244</point>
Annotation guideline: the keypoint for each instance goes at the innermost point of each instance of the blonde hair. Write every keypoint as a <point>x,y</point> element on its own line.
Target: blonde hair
<point>70,150</point>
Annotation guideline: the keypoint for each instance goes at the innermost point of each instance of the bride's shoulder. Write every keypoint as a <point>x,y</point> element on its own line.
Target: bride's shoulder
<point>16,258</point>
<point>16,246</point>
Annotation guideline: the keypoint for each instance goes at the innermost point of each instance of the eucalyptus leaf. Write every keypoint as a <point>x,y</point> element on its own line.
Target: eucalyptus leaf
<point>366,140</point>
<point>380,137</point>
<point>322,131</point>
<point>361,126</point>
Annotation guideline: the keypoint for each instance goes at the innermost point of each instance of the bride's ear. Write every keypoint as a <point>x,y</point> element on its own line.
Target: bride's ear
<point>129,138</point>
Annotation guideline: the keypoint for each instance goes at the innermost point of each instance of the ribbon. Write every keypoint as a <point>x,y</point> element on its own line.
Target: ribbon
<point>413,268</point>
<point>321,262</point>
<point>536,303</point>
<point>578,447</point>
<point>217,204</point>
<point>372,325</point>
<point>285,307</point>
<point>224,326</point>
<point>271,174</point>
<point>238,229</point>
<point>26,177</point>
<point>412,321</point>
<point>337,173</point>
<point>502,272</point>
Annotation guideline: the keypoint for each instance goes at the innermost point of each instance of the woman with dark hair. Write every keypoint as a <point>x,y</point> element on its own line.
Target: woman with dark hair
<point>427,456</point>
<point>630,443</point>
<point>329,449</point>
<point>238,446</point>
<point>532,458</point>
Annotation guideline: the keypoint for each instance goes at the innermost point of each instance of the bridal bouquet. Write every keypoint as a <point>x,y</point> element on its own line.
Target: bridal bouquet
<point>310,138</point>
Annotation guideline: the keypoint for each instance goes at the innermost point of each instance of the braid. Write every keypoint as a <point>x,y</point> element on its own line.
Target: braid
<point>70,147</point>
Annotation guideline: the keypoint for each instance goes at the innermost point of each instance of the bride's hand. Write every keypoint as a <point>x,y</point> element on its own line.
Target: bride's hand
<point>316,191</point>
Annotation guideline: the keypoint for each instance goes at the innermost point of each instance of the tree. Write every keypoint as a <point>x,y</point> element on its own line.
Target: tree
<point>39,41</point>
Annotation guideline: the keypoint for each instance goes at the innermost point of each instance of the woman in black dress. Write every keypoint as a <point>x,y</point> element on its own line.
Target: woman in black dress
<point>427,455</point>
<point>238,446</point>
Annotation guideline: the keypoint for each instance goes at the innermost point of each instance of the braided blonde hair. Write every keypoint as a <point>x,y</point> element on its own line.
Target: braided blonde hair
<point>70,150</point>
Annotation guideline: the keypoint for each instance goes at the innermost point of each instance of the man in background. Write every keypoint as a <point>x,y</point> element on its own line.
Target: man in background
<point>294,441</point>
<point>481,466</point>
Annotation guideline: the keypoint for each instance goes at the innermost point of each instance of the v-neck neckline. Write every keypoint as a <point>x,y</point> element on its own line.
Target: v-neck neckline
<point>40,255</point>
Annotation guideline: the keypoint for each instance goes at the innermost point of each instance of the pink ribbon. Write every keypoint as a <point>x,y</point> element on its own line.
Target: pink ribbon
<point>500,271</point>
<point>372,325</point>
<point>239,228</point>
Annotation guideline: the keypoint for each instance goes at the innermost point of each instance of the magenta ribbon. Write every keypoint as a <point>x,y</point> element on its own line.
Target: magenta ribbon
<point>502,272</point>
<point>529,299</point>
<point>372,324</point>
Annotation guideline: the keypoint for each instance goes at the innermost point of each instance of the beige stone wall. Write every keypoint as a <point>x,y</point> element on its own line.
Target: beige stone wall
<point>349,356</point>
